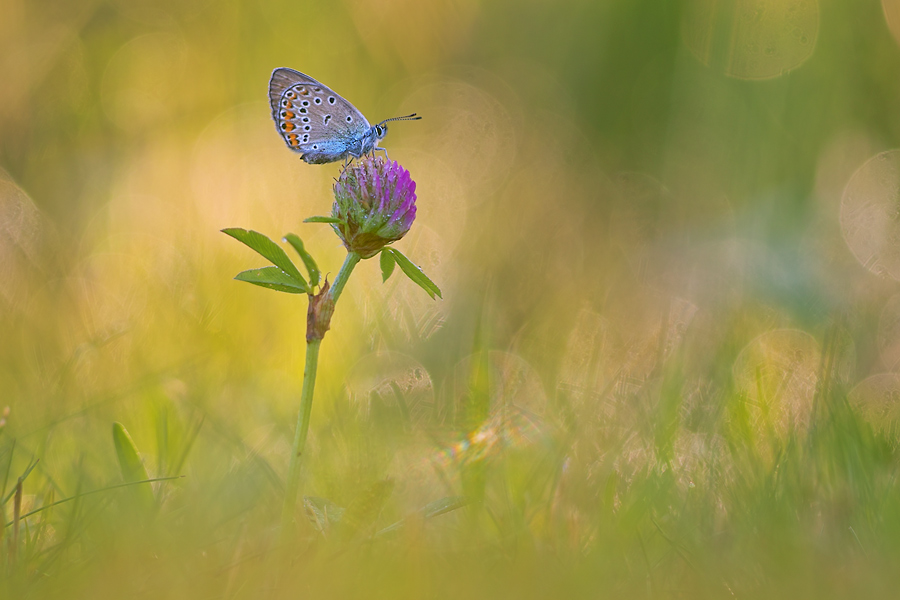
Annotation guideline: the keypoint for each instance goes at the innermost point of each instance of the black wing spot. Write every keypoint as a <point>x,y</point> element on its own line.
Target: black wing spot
<point>284,102</point>
<point>318,101</point>
<point>327,118</point>
<point>303,111</point>
<point>283,126</point>
<point>315,146</point>
<point>349,119</point>
<point>318,89</point>
<point>305,119</point>
<point>306,128</point>
<point>305,103</point>
<point>305,137</point>
<point>331,100</point>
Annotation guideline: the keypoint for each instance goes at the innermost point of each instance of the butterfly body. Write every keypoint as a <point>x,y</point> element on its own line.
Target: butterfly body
<point>315,121</point>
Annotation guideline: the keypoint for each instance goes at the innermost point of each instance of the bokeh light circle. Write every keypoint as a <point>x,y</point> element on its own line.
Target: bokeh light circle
<point>470,129</point>
<point>892,16</point>
<point>889,333</point>
<point>751,39</point>
<point>20,227</point>
<point>877,399</point>
<point>392,386</point>
<point>778,372</point>
<point>870,214</point>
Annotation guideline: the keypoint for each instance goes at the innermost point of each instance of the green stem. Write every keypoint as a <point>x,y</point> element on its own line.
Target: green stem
<point>306,398</point>
<point>343,275</point>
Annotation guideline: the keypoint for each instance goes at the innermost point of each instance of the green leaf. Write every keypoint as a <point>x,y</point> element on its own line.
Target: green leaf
<point>268,249</point>
<point>387,264</point>
<point>131,465</point>
<point>415,273</point>
<point>272,278</point>
<point>322,220</point>
<point>311,267</point>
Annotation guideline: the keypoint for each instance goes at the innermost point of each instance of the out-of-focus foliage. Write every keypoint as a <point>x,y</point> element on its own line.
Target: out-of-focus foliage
<point>666,358</point>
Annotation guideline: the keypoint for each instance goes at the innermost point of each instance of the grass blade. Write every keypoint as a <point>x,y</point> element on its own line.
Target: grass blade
<point>131,465</point>
<point>23,477</point>
<point>97,491</point>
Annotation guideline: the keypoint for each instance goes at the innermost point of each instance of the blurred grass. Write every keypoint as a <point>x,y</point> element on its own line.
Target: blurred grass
<point>664,365</point>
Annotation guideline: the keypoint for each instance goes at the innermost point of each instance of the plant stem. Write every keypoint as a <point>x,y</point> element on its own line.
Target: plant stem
<point>306,398</point>
<point>343,275</point>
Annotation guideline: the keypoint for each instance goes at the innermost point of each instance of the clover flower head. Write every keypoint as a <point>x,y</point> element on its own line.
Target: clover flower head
<point>375,202</point>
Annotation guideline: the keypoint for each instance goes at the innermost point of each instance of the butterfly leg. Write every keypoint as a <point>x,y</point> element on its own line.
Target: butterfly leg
<point>377,148</point>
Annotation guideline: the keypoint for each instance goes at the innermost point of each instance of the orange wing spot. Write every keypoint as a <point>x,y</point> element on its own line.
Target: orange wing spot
<point>294,142</point>
<point>288,115</point>
<point>288,126</point>
<point>304,91</point>
<point>289,105</point>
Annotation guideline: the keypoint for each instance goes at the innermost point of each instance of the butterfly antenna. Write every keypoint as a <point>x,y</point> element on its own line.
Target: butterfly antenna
<point>411,117</point>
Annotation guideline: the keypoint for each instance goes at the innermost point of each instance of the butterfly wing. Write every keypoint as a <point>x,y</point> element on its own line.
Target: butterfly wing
<point>313,119</point>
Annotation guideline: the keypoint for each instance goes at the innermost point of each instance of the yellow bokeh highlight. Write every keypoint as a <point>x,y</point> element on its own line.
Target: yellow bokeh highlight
<point>751,39</point>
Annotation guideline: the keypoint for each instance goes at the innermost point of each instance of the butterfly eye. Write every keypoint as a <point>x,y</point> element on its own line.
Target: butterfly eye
<point>331,100</point>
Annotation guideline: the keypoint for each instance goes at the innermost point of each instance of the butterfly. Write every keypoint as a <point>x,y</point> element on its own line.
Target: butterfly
<point>319,123</point>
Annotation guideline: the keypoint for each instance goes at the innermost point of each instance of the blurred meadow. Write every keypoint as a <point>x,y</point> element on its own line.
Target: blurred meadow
<point>667,359</point>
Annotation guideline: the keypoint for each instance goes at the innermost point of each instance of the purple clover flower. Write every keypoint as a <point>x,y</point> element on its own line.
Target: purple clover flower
<point>375,201</point>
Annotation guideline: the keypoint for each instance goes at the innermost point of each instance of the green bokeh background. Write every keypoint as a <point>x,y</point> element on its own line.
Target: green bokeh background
<point>665,359</point>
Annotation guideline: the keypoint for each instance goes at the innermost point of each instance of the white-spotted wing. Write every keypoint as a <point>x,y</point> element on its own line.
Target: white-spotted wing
<point>314,120</point>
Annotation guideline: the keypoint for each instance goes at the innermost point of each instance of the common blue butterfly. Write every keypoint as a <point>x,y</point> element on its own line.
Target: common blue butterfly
<point>317,122</point>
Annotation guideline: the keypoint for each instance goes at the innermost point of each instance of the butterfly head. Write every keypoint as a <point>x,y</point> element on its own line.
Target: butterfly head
<point>381,128</point>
